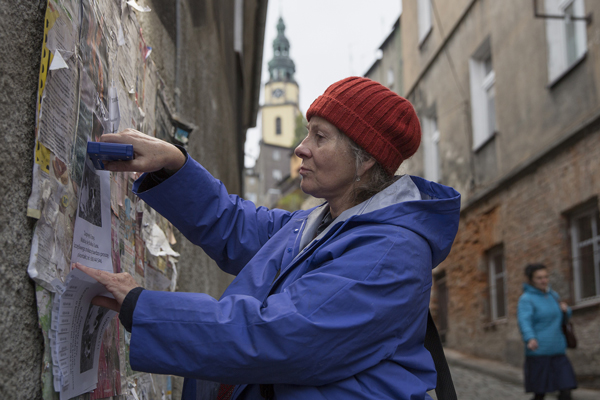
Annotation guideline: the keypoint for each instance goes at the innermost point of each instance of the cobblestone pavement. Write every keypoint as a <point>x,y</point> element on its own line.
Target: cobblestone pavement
<point>480,379</point>
<point>472,385</point>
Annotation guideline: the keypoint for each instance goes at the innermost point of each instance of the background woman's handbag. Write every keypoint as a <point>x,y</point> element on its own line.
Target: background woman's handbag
<point>567,328</point>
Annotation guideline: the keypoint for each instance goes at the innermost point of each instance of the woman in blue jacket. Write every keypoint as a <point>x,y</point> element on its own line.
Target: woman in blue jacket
<point>327,303</point>
<point>540,315</point>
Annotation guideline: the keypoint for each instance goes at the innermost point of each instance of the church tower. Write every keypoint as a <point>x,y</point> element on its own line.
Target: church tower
<point>279,113</point>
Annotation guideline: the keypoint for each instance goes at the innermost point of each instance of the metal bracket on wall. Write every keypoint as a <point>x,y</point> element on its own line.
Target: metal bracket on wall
<point>536,14</point>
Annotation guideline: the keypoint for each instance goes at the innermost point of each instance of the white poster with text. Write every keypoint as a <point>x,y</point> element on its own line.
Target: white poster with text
<point>91,239</point>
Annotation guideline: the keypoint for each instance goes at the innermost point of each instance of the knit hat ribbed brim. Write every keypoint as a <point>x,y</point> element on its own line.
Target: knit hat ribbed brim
<point>377,119</point>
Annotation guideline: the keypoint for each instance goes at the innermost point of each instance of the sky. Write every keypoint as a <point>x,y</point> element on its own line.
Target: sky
<point>329,40</point>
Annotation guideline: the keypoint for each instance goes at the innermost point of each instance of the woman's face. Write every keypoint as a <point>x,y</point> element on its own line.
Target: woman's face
<point>539,280</point>
<point>328,167</point>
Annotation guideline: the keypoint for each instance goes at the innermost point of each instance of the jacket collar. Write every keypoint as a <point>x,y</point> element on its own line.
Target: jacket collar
<point>532,289</point>
<point>404,189</point>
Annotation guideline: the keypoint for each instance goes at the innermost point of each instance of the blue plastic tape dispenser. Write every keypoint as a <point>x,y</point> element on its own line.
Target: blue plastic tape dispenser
<point>100,151</point>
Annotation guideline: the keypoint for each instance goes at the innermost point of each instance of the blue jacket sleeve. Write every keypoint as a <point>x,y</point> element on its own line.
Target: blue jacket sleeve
<point>229,229</point>
<point>362,302</point>
<point>525,318</point>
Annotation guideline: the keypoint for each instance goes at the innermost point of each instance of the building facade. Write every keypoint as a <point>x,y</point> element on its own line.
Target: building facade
<point>279,113</point>
<point>387,69</point>
<point>251,180</point>
<point>507,95</point>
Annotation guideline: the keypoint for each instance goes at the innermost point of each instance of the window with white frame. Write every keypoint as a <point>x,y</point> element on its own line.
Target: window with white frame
<point>276,155</point>
<point>497,283</point>
<point>431,153</point>
<point>277,175</point>
<point>566,37</point>
<point>483,95</point>
<point>424,10</point>
<point>585,246</point>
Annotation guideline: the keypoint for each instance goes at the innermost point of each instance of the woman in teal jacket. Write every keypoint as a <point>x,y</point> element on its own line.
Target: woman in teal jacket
<point>327,303</point>
<point>540,315</point>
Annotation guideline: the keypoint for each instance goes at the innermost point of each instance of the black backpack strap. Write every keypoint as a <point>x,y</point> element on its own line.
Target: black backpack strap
<point>444,389</point>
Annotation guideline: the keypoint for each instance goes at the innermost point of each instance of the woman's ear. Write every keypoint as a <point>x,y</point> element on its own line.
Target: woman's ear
<point>366,166</point>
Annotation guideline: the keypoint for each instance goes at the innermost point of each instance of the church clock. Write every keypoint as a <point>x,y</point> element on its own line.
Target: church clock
<point>280,109</point>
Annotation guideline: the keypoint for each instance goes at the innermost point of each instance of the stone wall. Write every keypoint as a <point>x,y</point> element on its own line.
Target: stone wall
<point>21,341</point>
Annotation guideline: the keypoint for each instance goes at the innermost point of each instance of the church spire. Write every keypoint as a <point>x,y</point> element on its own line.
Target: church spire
<point>281,66</point>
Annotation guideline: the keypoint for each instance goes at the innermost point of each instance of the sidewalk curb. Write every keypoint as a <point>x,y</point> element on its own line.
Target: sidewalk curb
<point>504,372</point>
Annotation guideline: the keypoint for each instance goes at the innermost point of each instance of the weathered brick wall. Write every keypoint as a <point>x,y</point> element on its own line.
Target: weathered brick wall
<point>528,218</point>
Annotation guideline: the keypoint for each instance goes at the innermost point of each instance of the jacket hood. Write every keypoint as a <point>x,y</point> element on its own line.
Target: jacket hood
<point>427,208</point>
<point>527,288</point>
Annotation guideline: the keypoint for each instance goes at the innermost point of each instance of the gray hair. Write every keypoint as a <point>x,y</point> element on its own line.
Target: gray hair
<point>379,178</point>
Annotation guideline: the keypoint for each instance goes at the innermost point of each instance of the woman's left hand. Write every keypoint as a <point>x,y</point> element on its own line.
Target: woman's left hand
<point>563,306</point>
<point>117,284</point>
<point>532,344</point>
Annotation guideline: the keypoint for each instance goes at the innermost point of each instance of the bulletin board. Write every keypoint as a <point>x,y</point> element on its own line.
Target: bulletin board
<point>96,76</point>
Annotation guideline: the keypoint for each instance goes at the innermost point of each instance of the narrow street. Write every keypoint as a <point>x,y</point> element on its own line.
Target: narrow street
<point>473,385</point>
<point>479,379</point>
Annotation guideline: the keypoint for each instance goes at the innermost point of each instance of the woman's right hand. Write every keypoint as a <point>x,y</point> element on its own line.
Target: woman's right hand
<point>151,154</point>
<point>119,285</point>
<point>532,344</point>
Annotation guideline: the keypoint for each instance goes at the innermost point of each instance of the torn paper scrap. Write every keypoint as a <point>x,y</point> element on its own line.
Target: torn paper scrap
<point>173,263</point>
<point>63,36</point>
<point>120,35</point>
<point>157,243</point>
<point>58,62</point>
<point>58,114</point>
<point>137,7</point>
<point>114,115</point>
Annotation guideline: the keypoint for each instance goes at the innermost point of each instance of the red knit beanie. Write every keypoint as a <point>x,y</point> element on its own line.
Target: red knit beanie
<point>377,119</point>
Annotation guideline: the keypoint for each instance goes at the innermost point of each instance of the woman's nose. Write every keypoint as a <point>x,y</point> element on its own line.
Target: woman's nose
<point>302,151</point>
